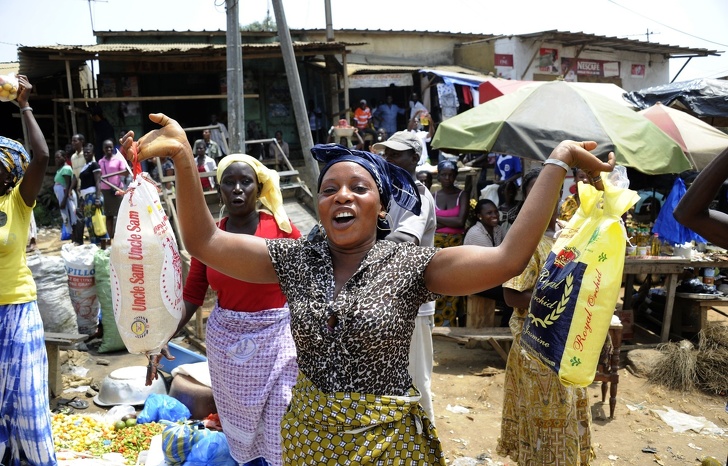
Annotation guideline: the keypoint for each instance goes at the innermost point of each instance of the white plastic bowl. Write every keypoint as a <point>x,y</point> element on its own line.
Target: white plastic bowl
<point>343,132</point>
<point>686,252</point>
<point>125,386</point>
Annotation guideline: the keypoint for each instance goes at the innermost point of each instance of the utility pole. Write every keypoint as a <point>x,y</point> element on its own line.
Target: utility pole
<point>299,107</point>
<point>333,77</point>
<point>234,55</point>
<point>329,21</point>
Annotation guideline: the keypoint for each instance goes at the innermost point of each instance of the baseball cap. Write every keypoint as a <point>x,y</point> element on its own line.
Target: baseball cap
<point>401,141</point>
<point>362,101</point>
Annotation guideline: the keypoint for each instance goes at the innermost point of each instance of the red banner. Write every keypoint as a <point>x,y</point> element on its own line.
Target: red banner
<point>502,59</point>
<point>638,71</point>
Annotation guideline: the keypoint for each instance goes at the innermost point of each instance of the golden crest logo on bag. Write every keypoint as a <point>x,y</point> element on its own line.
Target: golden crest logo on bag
<point>578,286</point>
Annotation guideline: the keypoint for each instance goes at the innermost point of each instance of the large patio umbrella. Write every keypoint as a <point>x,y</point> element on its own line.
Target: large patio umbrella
<point>700,141</point>
<point>531,121</point>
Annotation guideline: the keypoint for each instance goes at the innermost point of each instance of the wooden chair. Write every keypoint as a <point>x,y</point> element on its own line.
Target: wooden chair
<point>608,367</point>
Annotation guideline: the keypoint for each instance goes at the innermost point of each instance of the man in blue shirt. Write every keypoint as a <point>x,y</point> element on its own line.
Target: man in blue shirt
<point>507,168</point>
<point>387,115</point>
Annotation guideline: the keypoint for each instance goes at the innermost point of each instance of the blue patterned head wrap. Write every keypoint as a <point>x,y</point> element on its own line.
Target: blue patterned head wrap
<point>393,182</point>
<point>447,164</point>
<point>14,158</point>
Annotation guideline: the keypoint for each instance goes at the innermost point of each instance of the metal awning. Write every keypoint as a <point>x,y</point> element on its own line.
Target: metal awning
<point>581,39</point>
<point>38,61</point>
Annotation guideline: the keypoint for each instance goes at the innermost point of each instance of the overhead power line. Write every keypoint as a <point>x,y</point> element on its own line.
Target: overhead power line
<point>667,26</point>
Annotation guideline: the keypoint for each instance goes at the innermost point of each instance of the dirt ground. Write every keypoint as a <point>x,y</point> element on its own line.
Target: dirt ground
<point>635,436</point>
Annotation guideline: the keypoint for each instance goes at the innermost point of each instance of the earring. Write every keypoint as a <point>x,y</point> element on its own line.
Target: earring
<point>385,222</point>
<point>222,210</point>
<point>321,231</point>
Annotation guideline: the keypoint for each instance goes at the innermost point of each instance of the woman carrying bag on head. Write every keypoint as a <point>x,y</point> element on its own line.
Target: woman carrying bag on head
<point>25,421</point>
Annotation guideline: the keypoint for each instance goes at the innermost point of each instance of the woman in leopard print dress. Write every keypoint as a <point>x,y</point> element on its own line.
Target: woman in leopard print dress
<point>353,299</point>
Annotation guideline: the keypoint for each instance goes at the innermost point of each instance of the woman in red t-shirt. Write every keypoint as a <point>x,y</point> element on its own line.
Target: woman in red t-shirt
<point>250,349</point>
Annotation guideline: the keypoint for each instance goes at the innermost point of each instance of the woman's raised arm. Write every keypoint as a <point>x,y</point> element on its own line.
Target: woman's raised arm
<point>464,270</point>
<point>34,174</point>
<point>244,257</point>
<point>693,209</point>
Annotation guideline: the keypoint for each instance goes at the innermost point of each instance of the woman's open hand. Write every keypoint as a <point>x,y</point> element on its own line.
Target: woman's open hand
<point>167,141</point>
<point>577,155</point>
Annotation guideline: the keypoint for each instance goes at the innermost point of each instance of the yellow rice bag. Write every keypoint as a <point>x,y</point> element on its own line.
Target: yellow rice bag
<point>576,293</point>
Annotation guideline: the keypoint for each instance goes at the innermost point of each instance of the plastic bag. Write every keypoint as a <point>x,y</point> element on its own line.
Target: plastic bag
<point>576,293</point>
<point>117,412</point>
<point>212,449</point>
<point>160,407</point>
<point>178,440</point>
<point>98,220</point>
<point>65,232</point>
<point>667,227</point>
<point>8,87</point>
<point>146,271</point>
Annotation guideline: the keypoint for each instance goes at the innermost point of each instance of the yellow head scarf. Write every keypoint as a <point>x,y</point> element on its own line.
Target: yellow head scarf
<point>270,195</point>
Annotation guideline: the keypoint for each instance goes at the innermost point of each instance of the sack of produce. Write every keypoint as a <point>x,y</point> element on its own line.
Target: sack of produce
<point>54,302</point>
<point>79,263</point>
<point>577,290</point>
<point>146,272</point>
<point>110,340</point>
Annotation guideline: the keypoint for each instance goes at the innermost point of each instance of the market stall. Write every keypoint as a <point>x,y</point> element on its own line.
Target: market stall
<point>672,267</point>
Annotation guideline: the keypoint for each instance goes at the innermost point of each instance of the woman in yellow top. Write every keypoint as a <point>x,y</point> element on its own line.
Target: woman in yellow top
<point>25,423</point>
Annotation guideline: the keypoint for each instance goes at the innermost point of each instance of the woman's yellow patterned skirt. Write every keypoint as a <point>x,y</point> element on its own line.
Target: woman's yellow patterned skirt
<point>357,429</point>
<point>448,308</point>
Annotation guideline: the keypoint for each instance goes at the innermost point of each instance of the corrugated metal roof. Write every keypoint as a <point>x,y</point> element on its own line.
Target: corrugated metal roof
<point>581,39</point>
<point>164,48</point>
<point>566,38</point>
<point>393,31</point>
<point>34,60</point>
<point>9,67</point>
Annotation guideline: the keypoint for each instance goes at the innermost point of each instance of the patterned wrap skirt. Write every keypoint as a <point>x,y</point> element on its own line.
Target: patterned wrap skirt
<point>357,429</point>
<point>25,418</point>
<point>448,308</point>
<point>252,359</point>
<point>544,422</point>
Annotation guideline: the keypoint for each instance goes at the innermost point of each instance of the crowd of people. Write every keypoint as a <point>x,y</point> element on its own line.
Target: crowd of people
<point>320,347</point>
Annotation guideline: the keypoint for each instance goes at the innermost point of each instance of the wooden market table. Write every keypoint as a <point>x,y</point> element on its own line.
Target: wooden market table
<point>670,266</point>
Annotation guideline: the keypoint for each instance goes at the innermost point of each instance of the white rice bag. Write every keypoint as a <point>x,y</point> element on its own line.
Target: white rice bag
<point>146,271</point>
<point>79,263</point>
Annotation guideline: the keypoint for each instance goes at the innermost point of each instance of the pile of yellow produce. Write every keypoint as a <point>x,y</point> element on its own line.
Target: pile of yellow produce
<point>83,433</point>
<point>8,87</point>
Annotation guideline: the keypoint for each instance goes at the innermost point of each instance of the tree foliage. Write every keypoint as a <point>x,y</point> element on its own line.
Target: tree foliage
<point>268,24</point>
